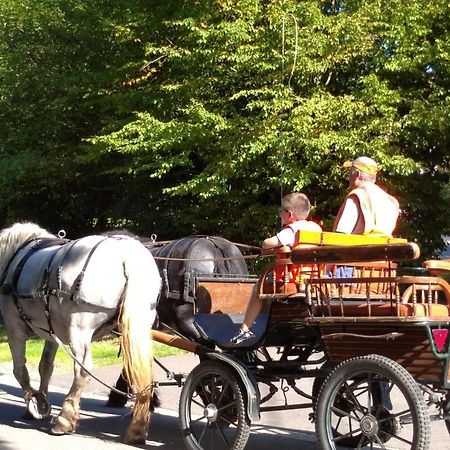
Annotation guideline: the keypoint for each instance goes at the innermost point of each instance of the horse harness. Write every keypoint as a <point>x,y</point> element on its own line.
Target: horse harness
<point>50,284</point>
<point>184,284</point>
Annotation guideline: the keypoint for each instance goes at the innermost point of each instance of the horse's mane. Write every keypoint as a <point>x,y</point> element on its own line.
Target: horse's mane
<point>13,237</point>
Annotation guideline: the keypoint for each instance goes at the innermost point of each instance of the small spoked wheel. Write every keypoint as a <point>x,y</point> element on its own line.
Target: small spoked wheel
<point>369,400</point>
<point>212,409</point>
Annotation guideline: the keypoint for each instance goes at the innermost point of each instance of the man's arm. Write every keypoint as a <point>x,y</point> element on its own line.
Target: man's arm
<point>349,217</point>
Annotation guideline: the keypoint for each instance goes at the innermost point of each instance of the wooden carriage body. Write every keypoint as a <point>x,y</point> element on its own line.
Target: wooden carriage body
<point>375,310</point>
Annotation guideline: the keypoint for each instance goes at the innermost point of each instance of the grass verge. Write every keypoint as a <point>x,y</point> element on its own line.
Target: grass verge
<point>104,353</point>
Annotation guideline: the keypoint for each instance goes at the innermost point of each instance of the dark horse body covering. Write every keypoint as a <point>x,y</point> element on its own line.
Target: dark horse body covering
<point>178,263</point>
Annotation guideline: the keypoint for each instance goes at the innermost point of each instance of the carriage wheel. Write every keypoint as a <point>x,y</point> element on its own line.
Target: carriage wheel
<point>348,409</point>
<point>212,409</point>
<point>376,392</point>
<point>318,383</point>
<point>447,410</point>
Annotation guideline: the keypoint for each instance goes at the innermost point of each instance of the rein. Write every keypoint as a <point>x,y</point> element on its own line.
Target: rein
<point>112,388</point>
<point>222,258</point>
<point>153,243</point>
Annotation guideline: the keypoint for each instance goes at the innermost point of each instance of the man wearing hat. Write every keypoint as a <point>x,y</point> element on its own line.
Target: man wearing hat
<point>367,209</point>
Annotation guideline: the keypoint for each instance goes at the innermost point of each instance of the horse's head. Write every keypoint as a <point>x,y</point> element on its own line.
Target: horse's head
<point>13,237</point>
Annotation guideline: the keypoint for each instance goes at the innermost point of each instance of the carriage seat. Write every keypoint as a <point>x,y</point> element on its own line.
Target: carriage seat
<point>438,267</point>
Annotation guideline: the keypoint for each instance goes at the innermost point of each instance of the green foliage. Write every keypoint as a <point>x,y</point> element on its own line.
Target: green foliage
<point>191,117</point>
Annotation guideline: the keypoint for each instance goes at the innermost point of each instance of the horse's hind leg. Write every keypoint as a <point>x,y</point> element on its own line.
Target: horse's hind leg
<point>38,405</point>
<point>116,400</point>
<point>67,420</point>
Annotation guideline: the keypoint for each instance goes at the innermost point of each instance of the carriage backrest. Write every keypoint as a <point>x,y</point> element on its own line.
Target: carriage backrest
<point>226,294</point>
<point>356,279</point>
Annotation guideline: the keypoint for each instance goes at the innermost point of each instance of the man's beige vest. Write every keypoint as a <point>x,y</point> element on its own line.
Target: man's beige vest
<point>379,211</point>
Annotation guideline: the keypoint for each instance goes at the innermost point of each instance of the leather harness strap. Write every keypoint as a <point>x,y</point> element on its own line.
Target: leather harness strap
<point>45,291</point>
<point>41,243</point>
<point>11,289</point>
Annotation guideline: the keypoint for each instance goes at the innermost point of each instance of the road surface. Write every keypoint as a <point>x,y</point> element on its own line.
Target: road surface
<point>101,427</point>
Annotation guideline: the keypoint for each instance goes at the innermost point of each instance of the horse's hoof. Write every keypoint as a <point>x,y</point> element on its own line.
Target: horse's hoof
<point>38,408</point>
<point>133,439</point>
<point>61,426</point>
<point>136,433</point>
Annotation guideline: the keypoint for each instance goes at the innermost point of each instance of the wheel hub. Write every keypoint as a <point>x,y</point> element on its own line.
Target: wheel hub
<point>369,425</point>
<point>210,412</point>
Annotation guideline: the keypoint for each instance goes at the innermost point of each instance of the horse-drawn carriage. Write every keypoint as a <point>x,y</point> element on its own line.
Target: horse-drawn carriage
<point>375,343</point>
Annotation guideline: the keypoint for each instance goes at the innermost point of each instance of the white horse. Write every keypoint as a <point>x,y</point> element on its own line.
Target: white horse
<point>75,292</point>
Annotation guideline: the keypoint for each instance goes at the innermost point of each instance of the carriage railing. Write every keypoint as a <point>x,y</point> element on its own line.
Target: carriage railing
<point>377,260</point>
<point>371,287</point>
<point>402,296</point>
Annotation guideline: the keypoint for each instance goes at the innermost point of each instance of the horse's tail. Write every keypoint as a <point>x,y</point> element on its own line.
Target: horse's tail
<point>136,319</point>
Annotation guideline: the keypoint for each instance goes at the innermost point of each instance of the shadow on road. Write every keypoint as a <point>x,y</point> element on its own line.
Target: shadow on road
<point>108,424</point>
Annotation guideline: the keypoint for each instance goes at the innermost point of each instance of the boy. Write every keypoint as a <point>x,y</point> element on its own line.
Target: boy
<point>293,213</point>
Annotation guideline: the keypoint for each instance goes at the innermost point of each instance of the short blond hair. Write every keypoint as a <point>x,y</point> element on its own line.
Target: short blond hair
<point>298,203</point>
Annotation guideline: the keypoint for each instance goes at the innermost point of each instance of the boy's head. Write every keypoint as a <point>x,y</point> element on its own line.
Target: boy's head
<point>294,207</point>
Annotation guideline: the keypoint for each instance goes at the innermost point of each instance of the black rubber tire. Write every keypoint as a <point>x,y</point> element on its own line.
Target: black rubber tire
<point>351,441</point>
<point>366,418</point>
<point>318,383</point>
<point>447,410</point>
<point>213,389</point>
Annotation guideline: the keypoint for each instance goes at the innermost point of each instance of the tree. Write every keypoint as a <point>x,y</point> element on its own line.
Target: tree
<point>59,64</point>
<point>198,115</point>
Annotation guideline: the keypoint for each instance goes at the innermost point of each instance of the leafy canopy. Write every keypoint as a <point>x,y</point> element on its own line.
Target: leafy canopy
<point>195,116</point>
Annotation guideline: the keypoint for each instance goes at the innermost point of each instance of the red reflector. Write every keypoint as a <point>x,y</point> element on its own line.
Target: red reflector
<point>440,337</point>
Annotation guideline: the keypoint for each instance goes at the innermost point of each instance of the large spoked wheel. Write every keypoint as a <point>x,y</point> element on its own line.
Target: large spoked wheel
<point>350,441</point>
<point>447,410</point>
<point>350,412</point>
<point>212,409</point>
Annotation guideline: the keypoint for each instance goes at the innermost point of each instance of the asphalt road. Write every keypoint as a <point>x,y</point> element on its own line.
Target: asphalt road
<point>101,427</point>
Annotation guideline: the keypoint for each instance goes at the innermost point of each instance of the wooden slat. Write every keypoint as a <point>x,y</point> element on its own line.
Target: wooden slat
<point>228,298</point>
<point>412,350</point>
<point>438,267</point>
